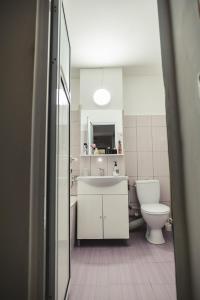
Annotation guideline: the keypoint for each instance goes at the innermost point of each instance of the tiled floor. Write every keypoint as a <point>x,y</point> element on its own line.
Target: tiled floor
<point>113,271</point>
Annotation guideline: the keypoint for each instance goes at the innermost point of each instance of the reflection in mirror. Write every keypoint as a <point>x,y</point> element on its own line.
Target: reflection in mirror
<point>97,130</point>
<point>104,136</point>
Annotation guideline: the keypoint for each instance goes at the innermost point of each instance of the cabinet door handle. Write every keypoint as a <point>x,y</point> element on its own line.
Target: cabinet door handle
<point>104,217</point>
<point>100,217</point>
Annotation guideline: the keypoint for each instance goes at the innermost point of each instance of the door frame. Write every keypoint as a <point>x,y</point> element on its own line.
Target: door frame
<point>180,233</point>
<point>38,173</point>
<point>56,76</point>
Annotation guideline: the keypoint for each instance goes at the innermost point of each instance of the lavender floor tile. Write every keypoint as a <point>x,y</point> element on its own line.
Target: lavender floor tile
<point>129,292</point>
<point>115,292</point>
<point>144,292</point>
<point>82,292</point>
<point>101,293</point>
<point>102,275</point>
<point>164,291</point>
<point>109,270</point>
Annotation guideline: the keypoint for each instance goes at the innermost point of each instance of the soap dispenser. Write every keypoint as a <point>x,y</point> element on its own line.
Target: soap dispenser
<point>115,169</point>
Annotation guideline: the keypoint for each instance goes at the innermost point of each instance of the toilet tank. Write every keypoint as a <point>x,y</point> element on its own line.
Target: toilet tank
<point>148,191</point>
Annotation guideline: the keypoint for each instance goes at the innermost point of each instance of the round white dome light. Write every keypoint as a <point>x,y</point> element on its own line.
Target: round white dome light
<point>102,97</point>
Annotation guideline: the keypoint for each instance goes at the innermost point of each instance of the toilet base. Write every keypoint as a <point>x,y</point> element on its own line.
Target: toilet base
<point>154,236</point>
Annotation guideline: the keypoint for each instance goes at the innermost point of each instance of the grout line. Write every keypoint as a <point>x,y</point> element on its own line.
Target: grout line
<point>152,148</point>
<point>137,146</point>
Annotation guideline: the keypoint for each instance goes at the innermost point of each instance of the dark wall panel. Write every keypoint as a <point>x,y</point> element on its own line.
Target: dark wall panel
<point>186,37</point>
<point>180,40</point>
<point>17,38</point>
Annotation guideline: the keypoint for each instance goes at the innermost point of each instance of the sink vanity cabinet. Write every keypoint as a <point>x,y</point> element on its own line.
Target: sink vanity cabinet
<point>103,207</point>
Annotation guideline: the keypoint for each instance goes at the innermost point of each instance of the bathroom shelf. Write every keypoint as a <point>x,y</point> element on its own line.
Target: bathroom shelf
<point>104,155</point>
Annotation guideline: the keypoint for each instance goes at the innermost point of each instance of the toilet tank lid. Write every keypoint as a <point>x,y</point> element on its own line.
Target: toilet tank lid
<point>147,181</point>
<point>155,208</point>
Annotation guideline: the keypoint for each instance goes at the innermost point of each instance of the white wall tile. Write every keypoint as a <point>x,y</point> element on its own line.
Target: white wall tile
<point>131,163</point>
<point>120,163</point>
<point>75,116</point>
<point>75,151</point>
<point>145,164</point>
<point>159,135</point>
<point>130,121</point>
<point>145,177</point>
<point>85,164</point>
<point>73,187</point>
<point>165,195</point>
<point>84,139</point>
<point>98,162</point>
<point>131,180</point>
<point>159,120</point>
<point>161,163</point>
<point>75,134</point>
<point>75,172</point>
<point>143,120</point>
<point>75,164</point>
<point>130,139</point>
<point>151,158</point>
<point>144,139</point>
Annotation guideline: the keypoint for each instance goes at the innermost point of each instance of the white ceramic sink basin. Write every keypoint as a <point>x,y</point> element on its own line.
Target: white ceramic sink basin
<point>102,179</point>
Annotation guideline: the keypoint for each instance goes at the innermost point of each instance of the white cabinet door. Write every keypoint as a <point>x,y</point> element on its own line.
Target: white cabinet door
<point>115,216</point>
<point>90,224</point>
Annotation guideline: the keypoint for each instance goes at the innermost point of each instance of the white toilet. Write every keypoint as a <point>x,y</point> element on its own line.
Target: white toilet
<point>154,213</point>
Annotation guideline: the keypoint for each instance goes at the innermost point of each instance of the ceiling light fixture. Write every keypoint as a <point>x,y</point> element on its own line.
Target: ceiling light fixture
<point>102,97</point>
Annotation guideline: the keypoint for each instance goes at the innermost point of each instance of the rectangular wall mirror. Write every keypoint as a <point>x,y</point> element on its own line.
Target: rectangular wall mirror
<point>96,128</point>
<point>102,135</point>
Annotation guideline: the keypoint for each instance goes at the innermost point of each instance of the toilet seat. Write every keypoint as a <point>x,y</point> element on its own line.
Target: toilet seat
<point>155,208</point>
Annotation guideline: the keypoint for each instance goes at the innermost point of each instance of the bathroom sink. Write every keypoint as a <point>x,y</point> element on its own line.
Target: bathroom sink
<point>102,180</point>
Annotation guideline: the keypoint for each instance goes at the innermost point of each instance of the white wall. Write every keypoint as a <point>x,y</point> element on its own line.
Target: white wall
<point>93,79</point>
<point>144,95</point>
<point>75,93</point>
<point>138,94</point>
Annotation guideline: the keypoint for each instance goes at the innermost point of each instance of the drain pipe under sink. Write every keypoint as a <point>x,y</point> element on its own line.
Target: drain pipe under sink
<point>136,223</point>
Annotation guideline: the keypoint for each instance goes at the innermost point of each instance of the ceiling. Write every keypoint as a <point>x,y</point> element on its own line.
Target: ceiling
<point>108,33</point>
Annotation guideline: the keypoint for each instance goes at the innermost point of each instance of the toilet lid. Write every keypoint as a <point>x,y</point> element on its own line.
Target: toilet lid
<point>155,208</point>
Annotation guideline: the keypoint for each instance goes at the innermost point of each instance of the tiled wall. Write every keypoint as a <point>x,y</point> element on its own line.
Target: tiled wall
<point>146,152</point>
<point>75,146</point>
<point>92,164</point>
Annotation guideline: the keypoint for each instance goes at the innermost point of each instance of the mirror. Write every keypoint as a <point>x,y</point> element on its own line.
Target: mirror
<point>102,135</point>
<point>96,128</point>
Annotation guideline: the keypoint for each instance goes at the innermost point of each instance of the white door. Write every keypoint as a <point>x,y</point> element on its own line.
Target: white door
<point>90,217</point>
<point>115,216</point>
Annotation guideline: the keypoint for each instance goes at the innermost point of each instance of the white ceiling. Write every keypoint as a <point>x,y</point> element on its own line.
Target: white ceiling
<point>108,33</point>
